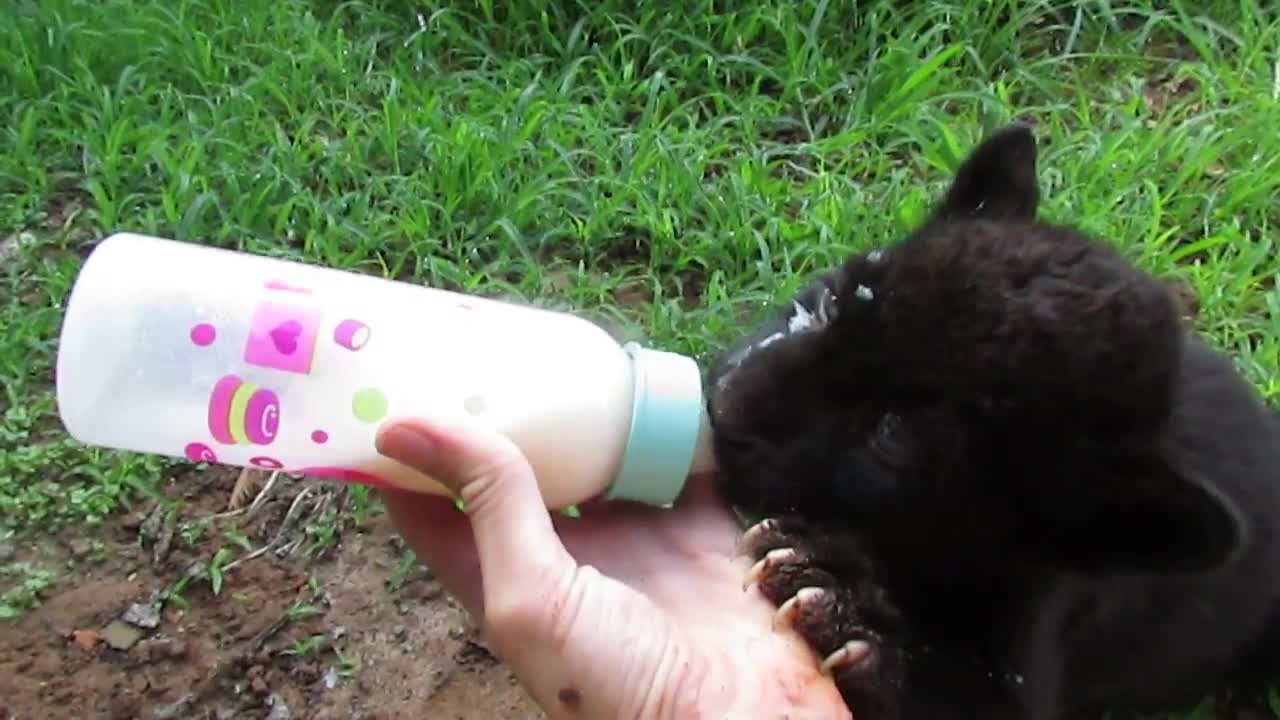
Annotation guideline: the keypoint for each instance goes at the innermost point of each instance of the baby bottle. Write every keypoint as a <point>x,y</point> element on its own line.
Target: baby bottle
<point>184,350</point>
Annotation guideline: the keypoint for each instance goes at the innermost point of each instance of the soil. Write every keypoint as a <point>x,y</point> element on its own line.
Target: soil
<point>357,631</point>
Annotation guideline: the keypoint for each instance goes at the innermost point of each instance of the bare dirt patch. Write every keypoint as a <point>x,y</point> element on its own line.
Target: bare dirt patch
<point>351,632</point>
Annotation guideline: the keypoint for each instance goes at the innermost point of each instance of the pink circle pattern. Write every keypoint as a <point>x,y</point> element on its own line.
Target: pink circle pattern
<point>199,452</point>
<point>203,334</point>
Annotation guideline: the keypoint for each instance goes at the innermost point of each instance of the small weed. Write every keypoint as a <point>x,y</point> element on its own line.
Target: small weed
<point>323,531</point>
<point>238,539</point>
<point>175,591</point>
<point>347,666</point>
<point>301,611</point>
<point>361,503</point>
<point>311,645</point>
<point>24,595</point>
<point>193,532</point>
<point>404,568</point>
<point>214,569</point>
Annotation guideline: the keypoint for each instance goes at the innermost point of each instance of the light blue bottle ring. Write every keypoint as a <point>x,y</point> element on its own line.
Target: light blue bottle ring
<point>666,418</point>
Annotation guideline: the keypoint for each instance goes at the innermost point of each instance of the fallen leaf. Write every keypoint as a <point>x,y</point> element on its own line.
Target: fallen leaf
<point>86,639</point>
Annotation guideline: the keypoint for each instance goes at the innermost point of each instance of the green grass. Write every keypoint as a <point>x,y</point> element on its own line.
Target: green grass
<point>669,173</point>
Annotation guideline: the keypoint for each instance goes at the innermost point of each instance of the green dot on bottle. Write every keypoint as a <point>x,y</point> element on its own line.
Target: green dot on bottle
<point>369,404</point>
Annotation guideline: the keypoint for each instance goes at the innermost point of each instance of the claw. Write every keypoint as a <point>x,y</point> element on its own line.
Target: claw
<point>827,305</point>
<point>790,610</point>
<point>853,652</point>
<point>773,557</point>
<point>754,532</point>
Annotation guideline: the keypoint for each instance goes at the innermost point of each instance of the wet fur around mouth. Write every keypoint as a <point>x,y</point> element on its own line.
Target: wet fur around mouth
<point>1009,478</point>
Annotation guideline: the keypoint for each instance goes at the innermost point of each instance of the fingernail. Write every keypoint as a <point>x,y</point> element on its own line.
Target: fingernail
<point>408,445</point>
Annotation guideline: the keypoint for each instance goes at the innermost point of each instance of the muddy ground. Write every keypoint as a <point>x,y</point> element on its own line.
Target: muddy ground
<point>332,620</point>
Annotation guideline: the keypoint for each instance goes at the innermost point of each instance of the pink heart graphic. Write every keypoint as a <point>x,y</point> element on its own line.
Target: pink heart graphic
<point>285,337</point>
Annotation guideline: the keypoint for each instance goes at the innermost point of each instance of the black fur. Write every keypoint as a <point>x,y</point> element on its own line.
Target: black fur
<point>1014,469</point>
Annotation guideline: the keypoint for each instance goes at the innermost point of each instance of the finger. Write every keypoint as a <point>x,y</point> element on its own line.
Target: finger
<point>519,551</point>
<point>440,537</point>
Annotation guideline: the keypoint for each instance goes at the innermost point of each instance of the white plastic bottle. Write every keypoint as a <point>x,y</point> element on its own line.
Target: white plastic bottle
<point>190,351</point>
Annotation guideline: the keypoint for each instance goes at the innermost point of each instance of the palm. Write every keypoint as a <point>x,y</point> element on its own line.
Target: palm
<point>669,570</point>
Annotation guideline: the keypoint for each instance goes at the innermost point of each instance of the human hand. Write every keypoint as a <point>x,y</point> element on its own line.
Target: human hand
<point>626,612</point>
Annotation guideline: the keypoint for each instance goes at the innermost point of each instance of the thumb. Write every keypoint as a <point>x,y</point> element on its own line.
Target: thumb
<point>521,556</point>
<point>559,627</point>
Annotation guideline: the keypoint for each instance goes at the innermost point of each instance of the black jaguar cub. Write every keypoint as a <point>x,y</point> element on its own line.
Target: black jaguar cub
<point>998,476</point>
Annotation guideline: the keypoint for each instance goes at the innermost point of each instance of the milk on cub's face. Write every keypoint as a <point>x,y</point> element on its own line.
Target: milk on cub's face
<point>189,351</point>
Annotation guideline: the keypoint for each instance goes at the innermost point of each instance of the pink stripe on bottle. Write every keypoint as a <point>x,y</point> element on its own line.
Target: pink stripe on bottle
<point>349,474</point>
<point>220,409</point>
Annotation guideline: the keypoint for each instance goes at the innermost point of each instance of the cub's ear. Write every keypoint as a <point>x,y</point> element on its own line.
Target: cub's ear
<point>997,181</point>
<point>1153,520</point>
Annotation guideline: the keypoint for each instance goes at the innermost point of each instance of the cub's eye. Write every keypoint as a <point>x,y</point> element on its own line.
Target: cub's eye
<point>886,441</point>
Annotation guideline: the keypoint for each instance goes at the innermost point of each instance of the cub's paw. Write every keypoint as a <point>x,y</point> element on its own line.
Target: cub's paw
<point>821,582</point>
